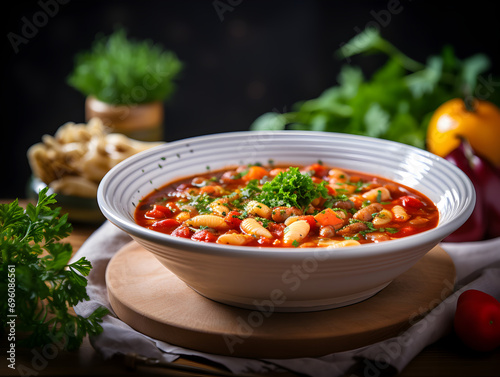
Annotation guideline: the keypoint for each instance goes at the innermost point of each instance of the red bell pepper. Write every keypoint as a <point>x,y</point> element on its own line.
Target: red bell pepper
<point>489,180</point>
<point>474,229</point>
<point>484,222</point>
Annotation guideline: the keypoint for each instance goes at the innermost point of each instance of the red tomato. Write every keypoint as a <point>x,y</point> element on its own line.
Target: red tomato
<point>311,221</point>
<point>276,229</point>
<point>263,241</point>
<point>165,226</point>
<point>331,190</point>
<point>477,320</point>
<point>182,231</point>
<point>204,236</point>
<point>411,202</point>
<point>255,172</point>
<point>158,212</point>
<point>232,219</point>
<point>319,170</point>
<point>404,232</point>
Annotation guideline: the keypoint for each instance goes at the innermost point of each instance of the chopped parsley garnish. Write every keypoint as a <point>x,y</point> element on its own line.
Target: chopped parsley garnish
<point>291,188</point>
<point>202,203</point>
<point>251,190</point>
<point>263,221</point>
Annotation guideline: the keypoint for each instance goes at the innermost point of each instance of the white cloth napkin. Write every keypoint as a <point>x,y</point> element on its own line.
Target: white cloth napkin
<point>477,266</point>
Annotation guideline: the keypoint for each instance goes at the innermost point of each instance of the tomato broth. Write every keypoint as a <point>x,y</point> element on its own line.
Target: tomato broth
<point>287,206</point>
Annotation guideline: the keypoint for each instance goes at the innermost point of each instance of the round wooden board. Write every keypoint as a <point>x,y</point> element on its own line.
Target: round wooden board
<point>152,300</point>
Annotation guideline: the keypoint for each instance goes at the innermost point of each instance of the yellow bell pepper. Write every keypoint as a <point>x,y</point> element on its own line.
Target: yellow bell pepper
<point>479,125</point>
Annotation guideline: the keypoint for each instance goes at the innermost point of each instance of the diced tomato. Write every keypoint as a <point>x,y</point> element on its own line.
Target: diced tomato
<point>165,226</point>
<point>182,231</point>
<point>310,220</point>
<point>232,219</point>
<point>411,202</point>
<point>255,172</point>
<point>204,236</point>
<point>319,170</point>
<point>331,190</point>
<point>231,177</point>
<point>405,231</point>
<point>263,241</point>
<point>213,190</point>
<point>158,212</point>
<point>327,217</point>
<point>357,200</point>
<point>276,229</point>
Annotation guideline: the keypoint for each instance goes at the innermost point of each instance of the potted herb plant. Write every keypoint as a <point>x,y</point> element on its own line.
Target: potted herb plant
<point>125,83</point>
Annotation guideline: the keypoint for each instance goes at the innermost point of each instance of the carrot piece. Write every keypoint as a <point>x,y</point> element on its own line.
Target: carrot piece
<point>255,172</point>
<point>331,190</point>
<point>327,217</point>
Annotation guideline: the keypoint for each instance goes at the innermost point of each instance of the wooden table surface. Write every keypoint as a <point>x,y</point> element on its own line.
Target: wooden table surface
<point>447,357</point>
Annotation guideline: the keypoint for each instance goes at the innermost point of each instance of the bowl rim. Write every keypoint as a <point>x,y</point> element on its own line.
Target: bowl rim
<point>434,235</point>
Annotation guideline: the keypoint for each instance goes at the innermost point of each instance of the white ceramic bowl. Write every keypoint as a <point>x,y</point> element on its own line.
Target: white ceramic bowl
<point>289,279</point>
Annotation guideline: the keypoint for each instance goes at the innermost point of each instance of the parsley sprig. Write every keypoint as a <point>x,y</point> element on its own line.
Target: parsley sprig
<point>46,284</point>
<point>291,188</point>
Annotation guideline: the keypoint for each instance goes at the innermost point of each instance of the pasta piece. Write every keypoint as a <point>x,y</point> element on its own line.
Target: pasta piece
<point>219,209</point>
<point>365,214</point>
<point>333,244</point>
<point>183,216</point>
<point>419,221</point>
<point>296,232</point>
<point>346,243</point>
<point>253,207</point>
<point>237,239</point>
<point>344,188</point>
<point>210,221</point>
<point>307,244</point>
<point>337,175</point>
<point>291,219</point>
<point>326,242</point>
<point>379,194</point>
<point>400,214</point>
<point>382,218</point>
<point>251,226</point>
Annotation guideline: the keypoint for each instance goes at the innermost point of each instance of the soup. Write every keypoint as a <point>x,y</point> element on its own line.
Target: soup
<point>287,206</point>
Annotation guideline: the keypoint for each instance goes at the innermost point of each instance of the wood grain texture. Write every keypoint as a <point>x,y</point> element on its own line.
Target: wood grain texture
<point>154,301</point>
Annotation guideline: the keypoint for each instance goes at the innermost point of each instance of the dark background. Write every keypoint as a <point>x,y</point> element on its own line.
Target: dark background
<point>261,56</point>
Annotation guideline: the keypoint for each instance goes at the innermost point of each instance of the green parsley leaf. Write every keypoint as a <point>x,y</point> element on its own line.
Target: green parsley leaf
<point>201,203</point>
<point>45,283</point>
<point>291,188</point>
<point>395,102</point>
<point>251,190</point>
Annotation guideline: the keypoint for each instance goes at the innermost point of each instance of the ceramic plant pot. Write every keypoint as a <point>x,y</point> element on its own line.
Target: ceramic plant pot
<point>137,121</point>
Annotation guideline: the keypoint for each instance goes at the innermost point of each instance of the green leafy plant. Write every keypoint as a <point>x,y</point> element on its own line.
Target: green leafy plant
<point>395,103</point>
<point>120,71</point>
<point>40,281</point>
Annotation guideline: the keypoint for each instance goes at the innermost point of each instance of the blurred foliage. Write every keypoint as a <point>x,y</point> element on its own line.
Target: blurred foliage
<point>396,102</point>
<point>119,71</point>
